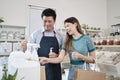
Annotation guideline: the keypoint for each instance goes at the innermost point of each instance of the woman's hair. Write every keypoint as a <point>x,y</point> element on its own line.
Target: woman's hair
<point>68,42</point>
<point>49,12</point>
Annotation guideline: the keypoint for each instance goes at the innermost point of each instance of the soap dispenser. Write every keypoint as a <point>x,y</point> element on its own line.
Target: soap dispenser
<point>51,49</point>
<point>50,53</point>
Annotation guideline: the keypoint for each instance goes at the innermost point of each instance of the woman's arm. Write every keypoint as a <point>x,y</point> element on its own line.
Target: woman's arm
<point>44,60</point>
<point>89,59</point>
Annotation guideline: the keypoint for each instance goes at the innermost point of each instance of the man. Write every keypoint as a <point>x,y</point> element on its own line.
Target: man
<point>50,42</point>
<point>23,45</point>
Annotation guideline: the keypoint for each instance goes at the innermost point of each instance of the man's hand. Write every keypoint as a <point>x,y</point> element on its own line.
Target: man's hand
<point>53,55</point>
<point>43,60</point>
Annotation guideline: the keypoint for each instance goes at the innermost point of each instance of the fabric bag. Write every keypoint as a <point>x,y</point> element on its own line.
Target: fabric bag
<point>83,74</point>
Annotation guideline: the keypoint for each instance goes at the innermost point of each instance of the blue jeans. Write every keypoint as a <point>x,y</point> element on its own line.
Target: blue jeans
<point>71,70</point>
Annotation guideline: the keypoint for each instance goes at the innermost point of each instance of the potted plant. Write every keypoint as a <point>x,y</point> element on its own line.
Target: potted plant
<point>1,20</point>
<point>8,77</point>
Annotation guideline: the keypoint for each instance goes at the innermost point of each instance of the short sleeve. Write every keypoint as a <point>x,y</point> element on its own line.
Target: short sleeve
<point>60,39</point>
<point>90,44</point>
<point>63,46</point>
<point>35,37</point>
<point>32,38</point>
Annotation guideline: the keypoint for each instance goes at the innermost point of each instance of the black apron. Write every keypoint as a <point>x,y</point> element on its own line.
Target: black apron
<point>53,71</point>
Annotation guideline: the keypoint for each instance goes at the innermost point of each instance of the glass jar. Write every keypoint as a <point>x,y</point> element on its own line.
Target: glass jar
<point>17,35</point>
<point>97,40</point>
<point>10,35</point>
<point>110,40</point>
<point>117,39</point>
<point>104,41</point>
<point>3,35</point>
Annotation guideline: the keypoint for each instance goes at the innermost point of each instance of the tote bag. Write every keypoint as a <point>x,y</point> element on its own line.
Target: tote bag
<point>81,74</point>
<point>84,74</point>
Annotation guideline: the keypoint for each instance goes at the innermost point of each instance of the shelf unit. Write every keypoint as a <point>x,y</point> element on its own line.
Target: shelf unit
<point>104,56</point>
<point>13,34</point>
<point>92,32</point>
<point>112,49</point>
<point>14,30</point>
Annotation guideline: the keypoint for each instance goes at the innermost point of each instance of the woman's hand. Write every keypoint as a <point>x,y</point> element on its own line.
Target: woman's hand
<point>76,55</point>
<point>89,59</point>
<point>43,60</point>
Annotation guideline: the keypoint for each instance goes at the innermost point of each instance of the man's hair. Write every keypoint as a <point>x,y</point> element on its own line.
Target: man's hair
<point>49,12</point>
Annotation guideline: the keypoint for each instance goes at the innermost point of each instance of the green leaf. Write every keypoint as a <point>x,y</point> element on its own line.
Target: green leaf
<point>4,77</point>
<point>10,77</point>
<point>13,77</point>
<point>1,20</point>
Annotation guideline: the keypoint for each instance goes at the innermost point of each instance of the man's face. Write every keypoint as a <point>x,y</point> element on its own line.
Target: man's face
<point>48,23</point>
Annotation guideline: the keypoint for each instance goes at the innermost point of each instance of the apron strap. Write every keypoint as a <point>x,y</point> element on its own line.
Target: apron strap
<point>53,32</point>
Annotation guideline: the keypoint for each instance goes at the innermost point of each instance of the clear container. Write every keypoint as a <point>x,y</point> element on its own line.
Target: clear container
<point>10,35</point>
<point>104,41</point>
<point>110,40</point>
<point>17,35</point>
<point>97,40</point>
<point>3,35</point>
<point>117,38</point>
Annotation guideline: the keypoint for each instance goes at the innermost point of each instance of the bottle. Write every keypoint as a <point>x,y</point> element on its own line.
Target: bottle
<point>51,49</point>
<point>50,52</point>
<point>5,47</point>
<point>34,52</point>
<point>28,51</point>
<point>18,47</point>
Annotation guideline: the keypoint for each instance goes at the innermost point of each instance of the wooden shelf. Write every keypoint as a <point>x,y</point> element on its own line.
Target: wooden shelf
<point>107,45</point>
<point>4,54</point>
<point>10,40</point>
<point>11,26</point>
<point>17,32</point>
<point>90,30</point>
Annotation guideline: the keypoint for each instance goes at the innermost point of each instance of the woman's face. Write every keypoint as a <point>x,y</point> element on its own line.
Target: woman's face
<point>48,23</point>
<point>70,28</point>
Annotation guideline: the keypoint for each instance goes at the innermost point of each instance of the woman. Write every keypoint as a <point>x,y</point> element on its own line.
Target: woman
<point>77,45</point>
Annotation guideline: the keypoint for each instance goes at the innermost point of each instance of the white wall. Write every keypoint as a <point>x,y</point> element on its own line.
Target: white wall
<point>91,12</point>
<point>113,11</point>
<point>13,12</point>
